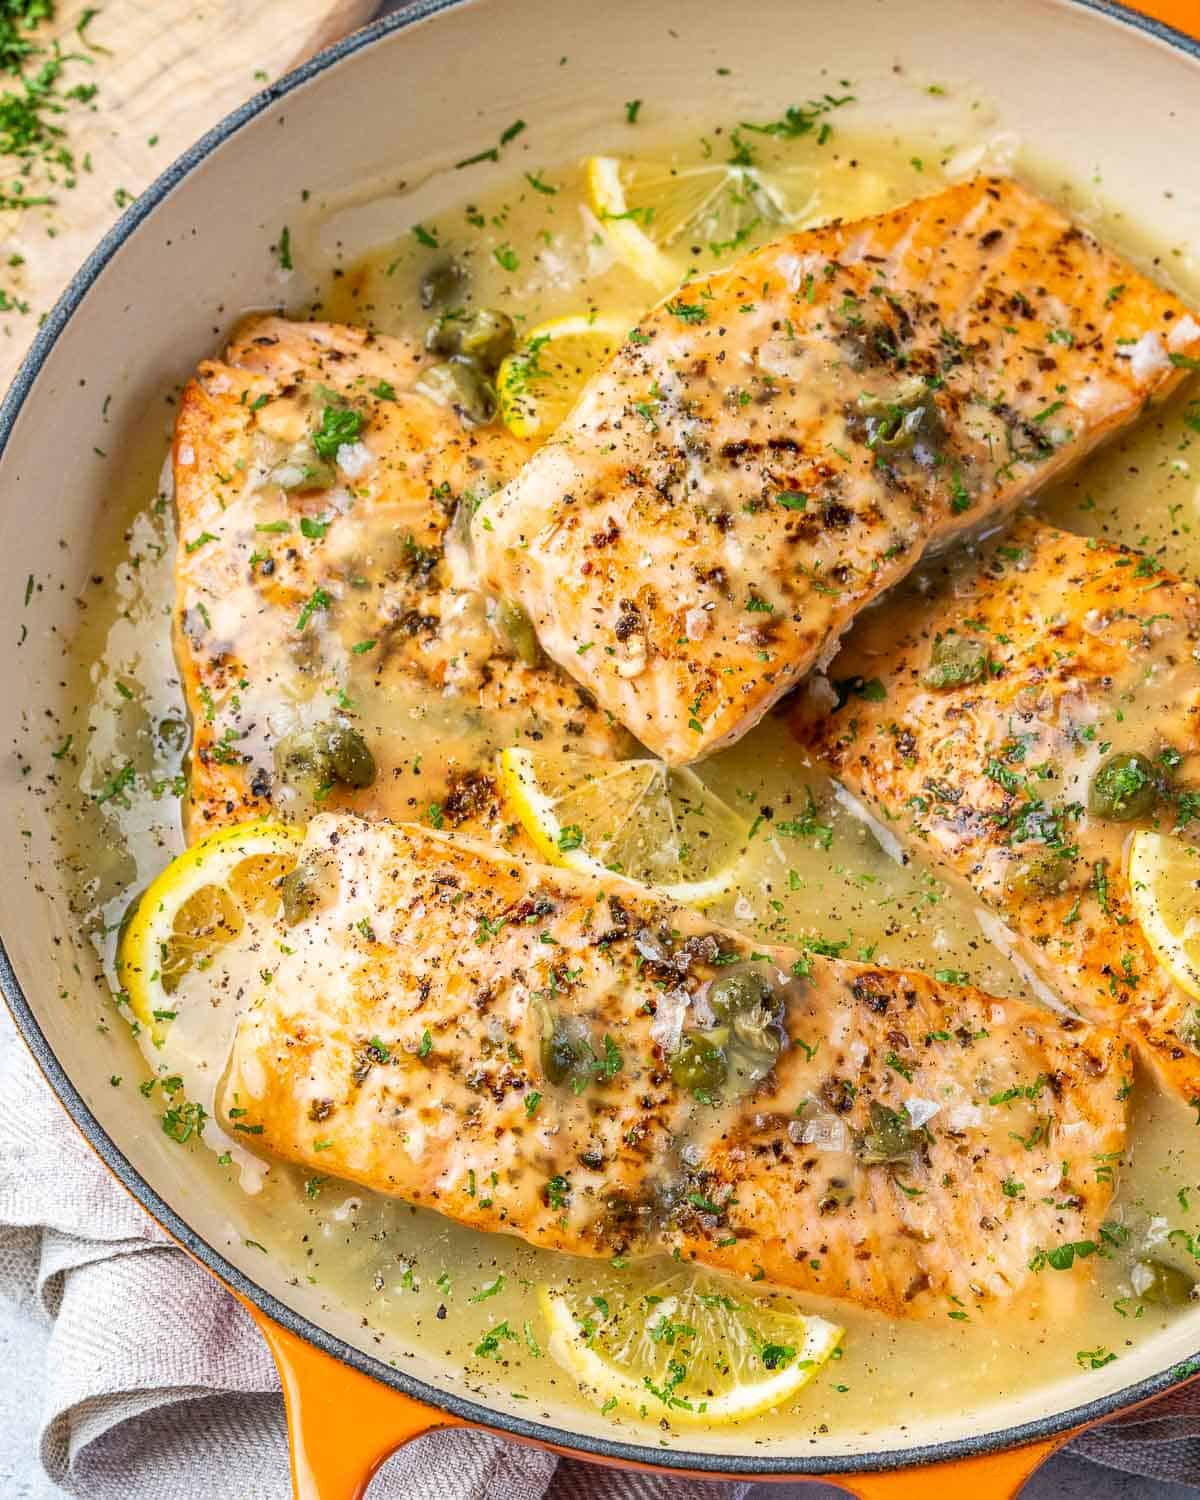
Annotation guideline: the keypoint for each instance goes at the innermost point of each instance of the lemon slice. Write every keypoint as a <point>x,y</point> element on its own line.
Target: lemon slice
<point>538,383</point>
<point>693,1348</point>
<point>661,218</point>
<point>1164,885</point>
<point>636,817</point>
<point>195,906</point>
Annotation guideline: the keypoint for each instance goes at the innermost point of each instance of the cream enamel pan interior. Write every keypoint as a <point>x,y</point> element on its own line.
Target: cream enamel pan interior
<point>1088,90</point>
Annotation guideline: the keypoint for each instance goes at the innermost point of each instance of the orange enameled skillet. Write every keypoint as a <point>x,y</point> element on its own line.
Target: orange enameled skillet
<point>1088,84</point>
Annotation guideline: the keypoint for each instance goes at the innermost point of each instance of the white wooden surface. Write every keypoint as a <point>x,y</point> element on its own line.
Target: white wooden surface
<point>165,71</point>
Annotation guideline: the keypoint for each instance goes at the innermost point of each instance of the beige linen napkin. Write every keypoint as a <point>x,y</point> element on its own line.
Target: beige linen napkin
<point>159,1387</point>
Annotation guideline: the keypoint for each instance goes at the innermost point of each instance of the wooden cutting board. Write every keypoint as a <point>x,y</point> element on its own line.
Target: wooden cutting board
<point>164,71</point>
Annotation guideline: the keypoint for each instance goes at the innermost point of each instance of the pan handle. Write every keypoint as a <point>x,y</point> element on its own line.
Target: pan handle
<point>341,1424</point>
<point>1178,13</point>
<point>990,1476</point>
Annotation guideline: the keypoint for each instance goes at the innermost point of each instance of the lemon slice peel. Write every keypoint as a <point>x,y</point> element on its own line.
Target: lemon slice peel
<point>659,218</point>
<point>759,1359</point>
<point>638,818</point>
<point>212,885</point>
<point>538,384</point>
<point>1164,890</point>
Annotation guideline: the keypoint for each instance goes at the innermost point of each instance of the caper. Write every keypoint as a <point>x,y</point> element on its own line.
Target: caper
<point>305,888</point>
<point>485,335</point>
<point>698,1064</point>
<point>517,629</point>
<point>306,652</point>
<point>1122,788</point>
<point>461,385</point>
<point>302,468</point>
<point>755,1044</point>
<point>1046,873</point>
<point>353,763</point>
<point>1169,1287</point>
<point>302,760</point>
<point>442,282</point>
<point>309,761</point>
<point>173,733</point>
<point>443,336</point>
<point>955,661</point>
<point>1187,1028</point>
<point>738,992</point>
<point>889,1137</point>
<point>559,1057</point>
<point>459,533</point>
<point>911,422</point>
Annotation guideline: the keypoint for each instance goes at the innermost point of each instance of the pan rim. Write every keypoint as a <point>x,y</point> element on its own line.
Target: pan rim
<point>724,1465</point>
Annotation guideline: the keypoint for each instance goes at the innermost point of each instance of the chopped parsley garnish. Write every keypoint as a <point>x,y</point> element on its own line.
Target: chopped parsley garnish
<point>806,825</point>
<point>490,1289</point>
<point>557,1192</point>
<point>115,788</point>
<point>1063,1257</point>
<point>182,1121</point>
<point>870,689</point>
<point>898,1066</point>
<point>488,1346</point>
<point>688,312</point>
<point>610,1064</point>
<point>339,425</point>
<point>801,119</point>
<point>318,599</point>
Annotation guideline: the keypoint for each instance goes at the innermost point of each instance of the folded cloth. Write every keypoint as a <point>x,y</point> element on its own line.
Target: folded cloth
<point>158,1383</point>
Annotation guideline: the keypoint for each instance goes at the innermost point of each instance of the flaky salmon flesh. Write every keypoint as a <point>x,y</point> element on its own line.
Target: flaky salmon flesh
<point>585,1065</point>
<point>779,442</point>
<point>994,706</point>
<point>315,490</point>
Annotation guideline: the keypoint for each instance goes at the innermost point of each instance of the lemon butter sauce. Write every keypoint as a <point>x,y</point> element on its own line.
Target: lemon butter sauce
<point>538,249</point>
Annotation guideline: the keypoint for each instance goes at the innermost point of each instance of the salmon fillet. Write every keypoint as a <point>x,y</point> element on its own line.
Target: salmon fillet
<point>779,442</point>
<point>312,586</point>
<point>1080,651</point>
<point>877,1136</point>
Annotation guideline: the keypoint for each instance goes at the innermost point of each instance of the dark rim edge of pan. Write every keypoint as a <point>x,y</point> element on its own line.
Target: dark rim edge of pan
<point>730,1465</point>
